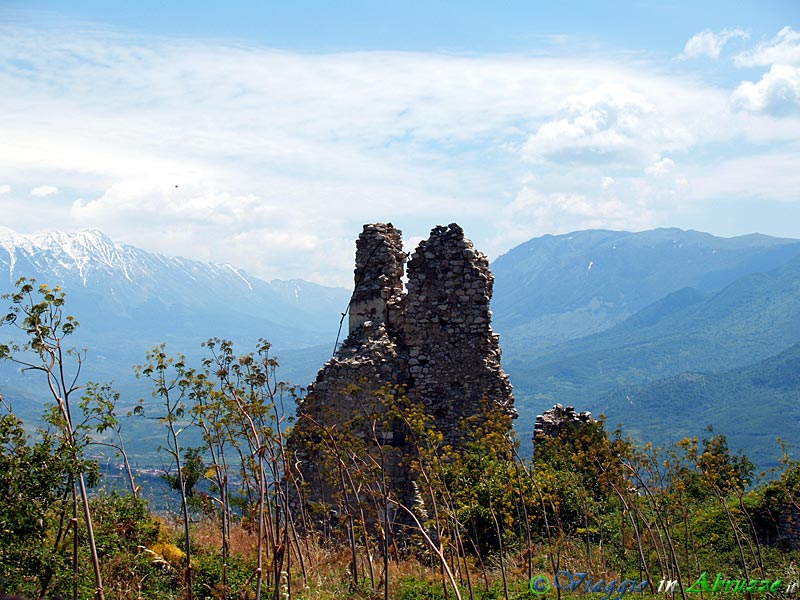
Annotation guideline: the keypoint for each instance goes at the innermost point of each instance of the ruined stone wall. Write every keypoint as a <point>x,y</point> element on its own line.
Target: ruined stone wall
<point>378,293</point>
<point>454,357</point>
<point>789,528</point>
<point>435,341</point>
<point>559,418</point>
<point>370,355</point>
<point>370,358</point>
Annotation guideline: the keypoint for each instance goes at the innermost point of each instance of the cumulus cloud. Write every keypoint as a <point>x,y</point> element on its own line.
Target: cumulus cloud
<point>44,190</point>
<point>599,124</point>
<point>710,44</point>
<point>661,167</point>
<point>610,124</point>
<point>783,49</point>
<point>776,93</point>
<point>606,182</point>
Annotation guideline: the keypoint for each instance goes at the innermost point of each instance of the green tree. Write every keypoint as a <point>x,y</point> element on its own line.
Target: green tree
<point>99,405</point>
<point>172,380</point>
<point>34,477</point>
<point>193,471</point>
<point>39,314</point>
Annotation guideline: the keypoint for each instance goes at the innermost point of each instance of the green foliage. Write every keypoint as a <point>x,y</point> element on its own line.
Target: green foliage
<point>44,320</point>
<point>39,313</point>
<point>124,523</point>
<point>208,578</point>
<point>724,471</point>
<point>34,478</point>
<point>579,473</point>
<point>193,471</point>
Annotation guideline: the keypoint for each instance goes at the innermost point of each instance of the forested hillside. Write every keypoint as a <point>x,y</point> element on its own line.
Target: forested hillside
<point>751,319</point>
<point>754,404</point>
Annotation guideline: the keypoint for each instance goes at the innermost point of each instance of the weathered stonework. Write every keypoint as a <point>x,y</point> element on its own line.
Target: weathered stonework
<point>435,341</point>
<point>789,528</point>
<point>378,294</point>
<point>453,355</point>
<point>552,422</point>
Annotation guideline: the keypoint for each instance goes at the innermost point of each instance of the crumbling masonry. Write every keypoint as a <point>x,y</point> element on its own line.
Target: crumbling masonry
<point>435,340</point>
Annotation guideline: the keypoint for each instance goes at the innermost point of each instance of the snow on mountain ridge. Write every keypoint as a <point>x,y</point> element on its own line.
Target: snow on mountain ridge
<point>128,282</point>
<point>128,299</point>
<point>91,252</point>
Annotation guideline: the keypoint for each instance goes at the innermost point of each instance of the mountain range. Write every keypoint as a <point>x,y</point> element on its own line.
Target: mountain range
<point>744,320</point>
<point>555,288</point>
<point>622,323</point>
<point>129,300</point>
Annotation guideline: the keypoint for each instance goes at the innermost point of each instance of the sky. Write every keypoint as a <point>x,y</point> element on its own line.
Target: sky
<point>264,134</point>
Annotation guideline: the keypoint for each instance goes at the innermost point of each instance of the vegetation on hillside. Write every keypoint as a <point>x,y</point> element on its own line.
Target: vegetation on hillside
<point>754,318</point>
<point>484,524</point>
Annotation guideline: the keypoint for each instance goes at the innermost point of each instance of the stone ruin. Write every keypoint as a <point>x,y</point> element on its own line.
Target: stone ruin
<point>559,418</point>
<point>434,341</point>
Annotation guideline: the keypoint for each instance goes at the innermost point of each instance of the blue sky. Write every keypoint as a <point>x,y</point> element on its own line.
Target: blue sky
<point>264,134</point>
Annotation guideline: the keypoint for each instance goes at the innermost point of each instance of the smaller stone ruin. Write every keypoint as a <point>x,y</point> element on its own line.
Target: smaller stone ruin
<point>559,418</point>
<point>789,527</point>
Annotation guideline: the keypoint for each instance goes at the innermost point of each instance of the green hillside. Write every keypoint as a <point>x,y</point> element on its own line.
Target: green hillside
<point>751,405</point>
<point>555,288</point>
<point>751,319</point>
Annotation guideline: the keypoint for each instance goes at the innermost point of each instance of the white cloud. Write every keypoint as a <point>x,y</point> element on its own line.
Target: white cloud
<point>772,176</point>
<point>5,188</point>
<point>710,44</point>
<point>534,212</point>
<point>610,124</point>
<point>598,124</point>
<point>280,157</point>
<point>661,167</point>
<point>777,93</point>
<point>44,190</point>
<point>783,49</point>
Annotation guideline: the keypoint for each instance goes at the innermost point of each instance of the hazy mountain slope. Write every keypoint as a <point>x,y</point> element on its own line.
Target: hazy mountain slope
<point>752,405</point>
<point>751,319</point>
<point>128,299</point>
<point>555,288</point>
<point>125,282</point>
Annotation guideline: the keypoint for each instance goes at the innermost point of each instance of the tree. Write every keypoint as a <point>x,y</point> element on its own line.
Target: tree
<point>35,475</point>
<point>172,384</point>
<point>251,397</point>
<point>99,404</point>
<point>39,314</point>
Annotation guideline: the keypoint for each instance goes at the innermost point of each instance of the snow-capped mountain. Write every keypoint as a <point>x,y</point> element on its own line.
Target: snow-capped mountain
<point>122,280</point>
<point>128,300</point>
